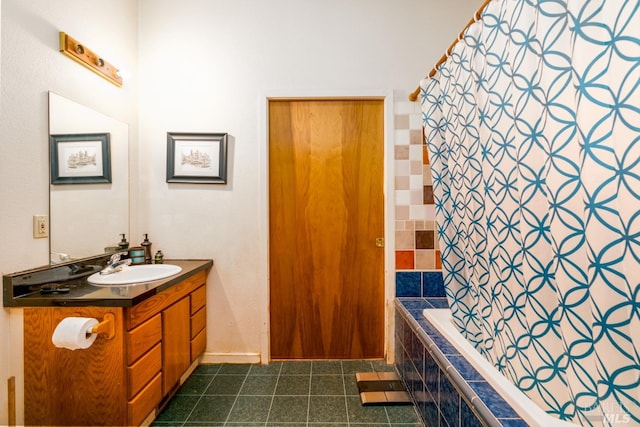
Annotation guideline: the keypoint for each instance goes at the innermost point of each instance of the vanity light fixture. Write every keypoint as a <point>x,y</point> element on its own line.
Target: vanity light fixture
<point>78,52</point>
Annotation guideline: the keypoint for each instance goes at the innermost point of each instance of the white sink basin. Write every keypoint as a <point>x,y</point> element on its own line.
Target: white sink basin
<point>135,274</point>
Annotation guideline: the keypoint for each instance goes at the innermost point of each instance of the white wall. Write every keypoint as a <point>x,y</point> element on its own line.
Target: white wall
<point>207,67</point>
<point>31,65</point>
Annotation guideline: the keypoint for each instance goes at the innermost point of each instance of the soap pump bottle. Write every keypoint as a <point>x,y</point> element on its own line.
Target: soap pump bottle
<point>146,244</point>
<point>123,245</point>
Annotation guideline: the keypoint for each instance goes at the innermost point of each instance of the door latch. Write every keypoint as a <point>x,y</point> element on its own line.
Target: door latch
<point>380,242</point>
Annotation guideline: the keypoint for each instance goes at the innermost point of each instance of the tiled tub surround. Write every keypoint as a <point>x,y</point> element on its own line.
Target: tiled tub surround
<point>416,246</point>
<point>425,284</point>
<point>447,390</point>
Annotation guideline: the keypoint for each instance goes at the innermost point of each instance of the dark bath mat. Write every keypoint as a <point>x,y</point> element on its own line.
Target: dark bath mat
<point>381,388</point>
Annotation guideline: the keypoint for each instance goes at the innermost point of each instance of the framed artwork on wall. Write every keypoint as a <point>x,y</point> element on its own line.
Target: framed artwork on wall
<point>199,158</point>
<point>80,158</point>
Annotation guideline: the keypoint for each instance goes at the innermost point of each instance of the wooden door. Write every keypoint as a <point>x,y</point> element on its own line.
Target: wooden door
<point>326,210</point>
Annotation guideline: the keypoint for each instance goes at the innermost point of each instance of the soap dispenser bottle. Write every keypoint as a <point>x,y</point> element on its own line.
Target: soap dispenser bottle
<point>146,244</point>
<point>123,245</point>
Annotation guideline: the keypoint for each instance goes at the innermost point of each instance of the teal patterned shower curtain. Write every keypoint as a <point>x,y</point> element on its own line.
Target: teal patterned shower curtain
<point>533,130</point>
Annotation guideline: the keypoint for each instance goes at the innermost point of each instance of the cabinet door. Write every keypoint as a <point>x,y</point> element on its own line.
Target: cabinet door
<point>64,387</point>
<point>176,345</point>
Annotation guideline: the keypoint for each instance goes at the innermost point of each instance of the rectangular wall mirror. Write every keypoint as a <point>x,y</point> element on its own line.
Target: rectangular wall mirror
<point>85,218</point>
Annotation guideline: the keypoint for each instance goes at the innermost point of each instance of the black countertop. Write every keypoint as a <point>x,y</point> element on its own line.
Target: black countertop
<point>78,292</point>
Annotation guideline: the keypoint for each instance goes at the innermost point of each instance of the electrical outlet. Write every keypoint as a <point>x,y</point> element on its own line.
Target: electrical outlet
<point>40,226</point>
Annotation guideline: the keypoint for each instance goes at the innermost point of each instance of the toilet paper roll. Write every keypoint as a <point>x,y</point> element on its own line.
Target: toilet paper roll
<point>73,333</point>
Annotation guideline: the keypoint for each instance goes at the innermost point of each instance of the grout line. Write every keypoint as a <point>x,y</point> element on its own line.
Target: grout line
<point>199,398</point>
<point>273,395</point>
<point>384,406</point>
<point>226,421</point>
<point>344,390</point>
<point>309,395</point>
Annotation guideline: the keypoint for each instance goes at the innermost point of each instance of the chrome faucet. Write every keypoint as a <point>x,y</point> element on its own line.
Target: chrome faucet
<point>115,264</point>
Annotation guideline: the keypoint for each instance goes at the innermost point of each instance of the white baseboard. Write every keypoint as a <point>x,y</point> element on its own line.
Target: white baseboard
<point>215,358</point>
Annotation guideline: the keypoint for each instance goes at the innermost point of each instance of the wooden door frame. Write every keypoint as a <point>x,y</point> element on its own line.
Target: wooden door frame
<point>389,205</point>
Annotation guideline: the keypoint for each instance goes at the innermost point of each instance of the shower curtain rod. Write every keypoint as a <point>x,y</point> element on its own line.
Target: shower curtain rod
<point>476,17</point>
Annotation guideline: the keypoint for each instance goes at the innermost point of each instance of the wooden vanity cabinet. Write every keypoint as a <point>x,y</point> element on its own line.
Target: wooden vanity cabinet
<point>118,381</point>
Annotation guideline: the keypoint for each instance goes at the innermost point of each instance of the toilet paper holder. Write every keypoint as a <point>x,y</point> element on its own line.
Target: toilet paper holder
<point>106,326</point>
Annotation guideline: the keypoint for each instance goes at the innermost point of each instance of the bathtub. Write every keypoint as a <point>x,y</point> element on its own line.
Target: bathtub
<point>527,409</point>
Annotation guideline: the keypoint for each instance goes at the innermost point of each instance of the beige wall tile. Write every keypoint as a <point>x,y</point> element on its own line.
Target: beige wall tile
<point>402,182</point>
<point>415,137</point>
<point>401,152</point>
<point>405,240</point>
<point>425,259</point>
<point>402,121</point>
<point>402,212</point>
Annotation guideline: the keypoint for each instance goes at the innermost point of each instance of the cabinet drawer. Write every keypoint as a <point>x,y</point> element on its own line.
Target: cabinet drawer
<point>139,408</point>
<point>198,322</point>
<point>141,372</point>
<point>151,306</point>
<point>143,338</point>
<point>198,299</point>
<point>198,344</point>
